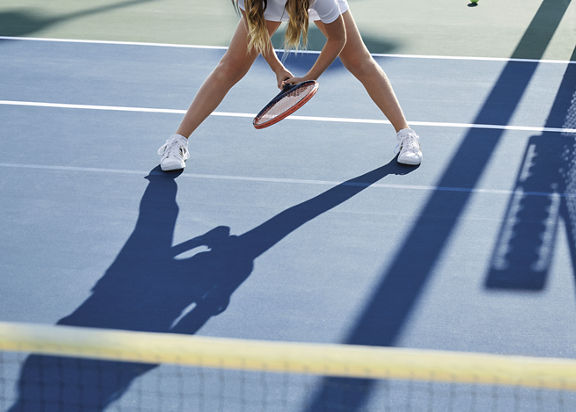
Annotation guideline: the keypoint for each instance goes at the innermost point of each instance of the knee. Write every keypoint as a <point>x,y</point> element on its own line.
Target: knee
<point>231,70</point>
<point>363,66</point>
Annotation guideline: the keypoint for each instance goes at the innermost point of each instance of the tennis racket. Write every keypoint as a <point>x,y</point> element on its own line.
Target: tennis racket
<point>290,99</point>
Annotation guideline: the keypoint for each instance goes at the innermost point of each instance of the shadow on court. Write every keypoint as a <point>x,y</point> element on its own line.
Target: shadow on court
<point>147,288</point>
<point>24,22</point>
<point>316,41</point>
<point>388,310</point>
<point>300,63</point>
<point>543,197</point>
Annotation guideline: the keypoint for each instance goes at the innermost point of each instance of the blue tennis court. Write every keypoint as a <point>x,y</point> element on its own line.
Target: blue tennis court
<point>306,231</point>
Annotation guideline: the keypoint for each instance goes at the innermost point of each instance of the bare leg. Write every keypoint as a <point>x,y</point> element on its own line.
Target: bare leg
<point>234,65</point>
<point>357,59</point>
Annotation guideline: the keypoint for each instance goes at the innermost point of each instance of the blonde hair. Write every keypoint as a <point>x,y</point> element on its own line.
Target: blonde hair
<point>296,32</point>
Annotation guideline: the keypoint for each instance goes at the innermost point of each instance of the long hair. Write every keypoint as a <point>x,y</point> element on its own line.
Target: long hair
<point>296,32</point>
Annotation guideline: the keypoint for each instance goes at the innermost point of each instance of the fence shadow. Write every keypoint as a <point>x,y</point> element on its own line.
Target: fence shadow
<point>388,310</point>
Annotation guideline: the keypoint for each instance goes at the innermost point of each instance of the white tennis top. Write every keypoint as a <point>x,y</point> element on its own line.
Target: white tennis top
<point>324,10</point>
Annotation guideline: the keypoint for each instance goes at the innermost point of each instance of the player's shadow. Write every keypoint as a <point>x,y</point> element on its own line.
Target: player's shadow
<point>24,22</point>
<point>152,286</point>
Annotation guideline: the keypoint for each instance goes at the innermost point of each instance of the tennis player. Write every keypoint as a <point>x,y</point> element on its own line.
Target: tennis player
<point>260,19</point>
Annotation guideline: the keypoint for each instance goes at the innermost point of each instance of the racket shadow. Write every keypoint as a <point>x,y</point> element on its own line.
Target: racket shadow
<point>230,258</point>
<point>148,288</point>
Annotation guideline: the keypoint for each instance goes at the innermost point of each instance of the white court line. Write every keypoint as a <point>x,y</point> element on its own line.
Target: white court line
<point>192,46</point>
<point>257,179</point>
<point>293,117</point>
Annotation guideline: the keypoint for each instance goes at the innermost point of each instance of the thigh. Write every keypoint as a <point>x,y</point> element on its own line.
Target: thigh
<point>355,51</point>
<point>238,54</point>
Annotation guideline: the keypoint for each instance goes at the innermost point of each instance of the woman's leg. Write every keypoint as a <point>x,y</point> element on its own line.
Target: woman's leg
<point>358,60</point>
<point>234,65</point>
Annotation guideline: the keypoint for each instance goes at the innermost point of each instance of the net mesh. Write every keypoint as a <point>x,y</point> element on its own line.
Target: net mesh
<point>57,368</point>
<point>286,104</point>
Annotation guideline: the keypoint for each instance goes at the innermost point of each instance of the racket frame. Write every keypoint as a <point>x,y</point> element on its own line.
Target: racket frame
<point>286,90</point>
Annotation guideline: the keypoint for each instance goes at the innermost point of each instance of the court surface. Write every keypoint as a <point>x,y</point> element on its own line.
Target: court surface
<point>306,231</point>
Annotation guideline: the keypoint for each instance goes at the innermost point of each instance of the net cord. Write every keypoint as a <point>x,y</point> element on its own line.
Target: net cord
<point>292,357</point>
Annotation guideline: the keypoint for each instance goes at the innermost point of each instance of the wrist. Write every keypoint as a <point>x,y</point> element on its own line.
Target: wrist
<point>278,68</point>
<point>312,75</point>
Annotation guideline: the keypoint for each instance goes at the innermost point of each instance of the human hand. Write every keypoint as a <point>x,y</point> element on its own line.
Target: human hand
<point>281,76</point>
<point>294,80</point>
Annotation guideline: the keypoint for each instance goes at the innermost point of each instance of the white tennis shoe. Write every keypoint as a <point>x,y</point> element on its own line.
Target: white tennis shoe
<point>173,153</point>
<point>408,148</point>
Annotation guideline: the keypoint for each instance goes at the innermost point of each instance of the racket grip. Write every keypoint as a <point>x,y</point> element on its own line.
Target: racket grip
<point>288,86</point>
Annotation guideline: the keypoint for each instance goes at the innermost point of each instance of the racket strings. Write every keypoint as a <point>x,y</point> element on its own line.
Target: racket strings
<point>287,102</point>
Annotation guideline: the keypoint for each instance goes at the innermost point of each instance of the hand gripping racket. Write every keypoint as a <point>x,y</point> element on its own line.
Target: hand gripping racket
<point>290,99</point>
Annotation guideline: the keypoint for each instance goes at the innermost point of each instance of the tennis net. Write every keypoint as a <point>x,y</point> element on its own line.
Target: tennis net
<point>62,368</point>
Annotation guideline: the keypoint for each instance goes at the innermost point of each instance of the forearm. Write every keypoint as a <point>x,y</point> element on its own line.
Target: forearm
<point>277,66</point>
<point>329,53</point>
<point>272,59</point>
<point>335,33</point>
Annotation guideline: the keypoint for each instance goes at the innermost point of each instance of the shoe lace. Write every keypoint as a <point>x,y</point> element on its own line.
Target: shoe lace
<point>172,148</point>
<point>410,143</point>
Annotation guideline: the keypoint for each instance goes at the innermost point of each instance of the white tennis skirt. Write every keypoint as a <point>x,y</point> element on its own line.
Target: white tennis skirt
<point>342,4</point>
<point>275,10</point>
